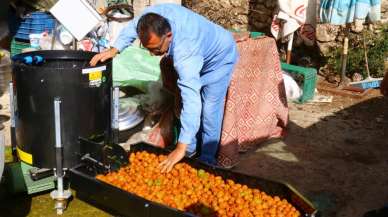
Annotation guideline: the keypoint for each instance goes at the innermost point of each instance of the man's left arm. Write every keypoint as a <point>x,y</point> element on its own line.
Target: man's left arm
<point>188,66</point>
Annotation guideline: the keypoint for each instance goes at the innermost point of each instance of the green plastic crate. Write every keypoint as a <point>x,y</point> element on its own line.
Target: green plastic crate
<point>17,179</point>
<point>13,178</point>
<point>256,34</point>
<point>251,34</point>
<point>17,47</point>
<point>39,185</point>
<point>309,79</point>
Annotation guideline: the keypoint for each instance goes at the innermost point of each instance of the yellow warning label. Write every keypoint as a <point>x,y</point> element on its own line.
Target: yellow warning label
<point>95,76</point>
<point>24,156</point>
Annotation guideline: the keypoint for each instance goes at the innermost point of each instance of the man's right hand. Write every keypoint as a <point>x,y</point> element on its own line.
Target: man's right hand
<point>101,57</point>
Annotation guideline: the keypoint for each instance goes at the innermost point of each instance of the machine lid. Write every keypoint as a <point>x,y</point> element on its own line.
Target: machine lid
<point>129,114</point>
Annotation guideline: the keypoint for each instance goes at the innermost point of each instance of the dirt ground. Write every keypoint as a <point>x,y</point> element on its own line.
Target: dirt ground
<point>336,154</point>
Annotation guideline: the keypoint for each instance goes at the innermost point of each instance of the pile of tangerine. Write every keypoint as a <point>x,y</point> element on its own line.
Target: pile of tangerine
<point>196,191</point>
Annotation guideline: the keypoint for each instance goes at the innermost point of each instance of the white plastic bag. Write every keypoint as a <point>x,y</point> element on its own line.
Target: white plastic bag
<point>115,28</point>
<point>45,43</point>
<point>293,91</point>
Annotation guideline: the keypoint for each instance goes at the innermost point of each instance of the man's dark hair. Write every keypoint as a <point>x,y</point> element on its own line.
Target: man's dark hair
<point>152,22</point>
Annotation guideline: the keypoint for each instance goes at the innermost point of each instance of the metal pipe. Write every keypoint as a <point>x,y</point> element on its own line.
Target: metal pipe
<point>60,195</point>
<point>13,121</point>
<point>58,145</point>
<point>115,114</point>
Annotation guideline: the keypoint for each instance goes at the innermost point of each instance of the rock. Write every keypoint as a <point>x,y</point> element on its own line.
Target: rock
<point>236,14</point>
<point>358,25</point>
<point>384,6</point>
<point>270,4</point>
<point>242,19</point>
<point>356,77</point>
<point>332,79</point>
<point>261,10</point>
<point>259,25</point>
<point>225,3</point>
<point>239,11</point>
<point>340,38</point>
<point>326,47</point>
<point>239,3</point>
<point>262,18</point>
<point>326,32</point>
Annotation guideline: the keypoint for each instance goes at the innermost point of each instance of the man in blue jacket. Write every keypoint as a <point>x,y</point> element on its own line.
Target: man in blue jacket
<point>204,55</point>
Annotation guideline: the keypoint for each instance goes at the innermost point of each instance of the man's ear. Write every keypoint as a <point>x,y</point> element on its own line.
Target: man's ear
<point>169,34</point>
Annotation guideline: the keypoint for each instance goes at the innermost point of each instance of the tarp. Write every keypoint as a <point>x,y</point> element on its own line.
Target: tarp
<point>135,67</point>
<point>292,15</point>
<point>340,12</point>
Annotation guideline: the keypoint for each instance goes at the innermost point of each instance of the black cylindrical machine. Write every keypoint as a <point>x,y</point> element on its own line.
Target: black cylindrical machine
<point>41,76</point>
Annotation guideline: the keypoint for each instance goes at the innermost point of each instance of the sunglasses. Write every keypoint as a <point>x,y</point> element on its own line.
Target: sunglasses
<point>158,48</point>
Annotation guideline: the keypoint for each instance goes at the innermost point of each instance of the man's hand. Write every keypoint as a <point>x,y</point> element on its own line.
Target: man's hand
<point>384,85</point>
<point>173,158</point>
<point>103,56</point>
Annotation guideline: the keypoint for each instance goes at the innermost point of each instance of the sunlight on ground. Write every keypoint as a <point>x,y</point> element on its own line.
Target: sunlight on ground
<point>277,150</point>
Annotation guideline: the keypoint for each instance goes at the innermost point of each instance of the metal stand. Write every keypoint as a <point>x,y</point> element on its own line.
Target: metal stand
<point>60,195</point>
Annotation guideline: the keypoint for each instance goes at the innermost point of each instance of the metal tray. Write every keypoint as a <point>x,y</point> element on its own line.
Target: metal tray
<point>123,203</point>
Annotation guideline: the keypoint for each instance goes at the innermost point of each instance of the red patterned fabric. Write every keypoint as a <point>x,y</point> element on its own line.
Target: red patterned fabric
<point>256,106</point>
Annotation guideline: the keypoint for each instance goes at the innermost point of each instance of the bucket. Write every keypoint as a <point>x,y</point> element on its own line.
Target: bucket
<point>85,104</point>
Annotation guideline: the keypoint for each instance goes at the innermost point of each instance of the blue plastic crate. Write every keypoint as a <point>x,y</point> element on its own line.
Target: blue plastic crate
<point>24,25</point>
<point>35,23</point>
<point>40,15</point>
<point>24,31</point>
<point>38,22</point>
<point>38,26</point>
<point>37,31</point>
<point>22,36</point>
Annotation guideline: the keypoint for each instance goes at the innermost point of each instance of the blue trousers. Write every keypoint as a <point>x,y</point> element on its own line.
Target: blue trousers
<point>213,102</point>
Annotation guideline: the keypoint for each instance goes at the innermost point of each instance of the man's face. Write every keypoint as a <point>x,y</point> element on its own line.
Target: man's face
<point>158,46</point>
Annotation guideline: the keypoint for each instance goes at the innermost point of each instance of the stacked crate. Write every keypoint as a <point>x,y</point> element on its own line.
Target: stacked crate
<point>34,23</point>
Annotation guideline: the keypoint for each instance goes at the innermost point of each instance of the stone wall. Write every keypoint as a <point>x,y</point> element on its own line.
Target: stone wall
<point>256,15</point>
<point>140,5</point>
<point>253,15</point>
<point>384,11</point>
<point>331,36</point>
